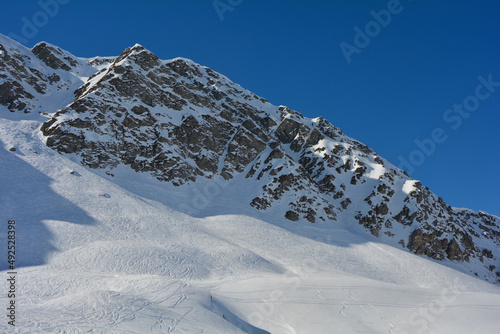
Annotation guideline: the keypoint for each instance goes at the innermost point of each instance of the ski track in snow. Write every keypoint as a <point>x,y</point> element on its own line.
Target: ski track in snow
<point>111,261</point>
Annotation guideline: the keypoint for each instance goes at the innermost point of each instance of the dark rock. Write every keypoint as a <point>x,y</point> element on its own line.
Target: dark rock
<point>288,130</point>
<point>12,94</point>
<point>291,215</point>
<point>345,203</point>
<point>50,56</point>
<point>453,251</point>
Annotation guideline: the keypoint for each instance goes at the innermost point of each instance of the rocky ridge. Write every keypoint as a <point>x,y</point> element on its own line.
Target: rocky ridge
<point>180,122</point>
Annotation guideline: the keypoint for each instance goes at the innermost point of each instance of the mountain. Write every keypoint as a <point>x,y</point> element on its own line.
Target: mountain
<point>180,134</point>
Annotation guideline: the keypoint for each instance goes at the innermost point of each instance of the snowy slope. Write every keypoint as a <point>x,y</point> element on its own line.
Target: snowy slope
<point>94,257</point>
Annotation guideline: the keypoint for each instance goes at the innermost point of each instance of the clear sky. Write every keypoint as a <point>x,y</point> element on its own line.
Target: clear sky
<point>418,81</point>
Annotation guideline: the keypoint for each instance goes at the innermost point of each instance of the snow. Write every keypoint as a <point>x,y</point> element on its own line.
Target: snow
<point>409,186</point>
<point>115,255</point>
<point>329,304</point>
<point>11,43</point>
<point>376,172</point>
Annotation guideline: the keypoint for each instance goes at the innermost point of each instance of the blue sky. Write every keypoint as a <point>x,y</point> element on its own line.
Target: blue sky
<point>405,71</point>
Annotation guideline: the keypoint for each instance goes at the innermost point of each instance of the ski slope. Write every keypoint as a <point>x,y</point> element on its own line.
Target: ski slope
<point>124,254</point>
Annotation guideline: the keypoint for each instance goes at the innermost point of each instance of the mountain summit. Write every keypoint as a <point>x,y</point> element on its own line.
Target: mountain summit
<point>181,123</point>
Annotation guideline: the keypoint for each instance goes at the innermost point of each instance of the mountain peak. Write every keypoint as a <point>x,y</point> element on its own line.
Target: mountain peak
<point>54,57</point>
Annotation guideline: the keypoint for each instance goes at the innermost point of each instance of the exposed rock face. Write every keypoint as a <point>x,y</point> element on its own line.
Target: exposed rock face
<point>30,79</point>
<point>180,121</point>
<point>430,245</point>
<point>53,57</point>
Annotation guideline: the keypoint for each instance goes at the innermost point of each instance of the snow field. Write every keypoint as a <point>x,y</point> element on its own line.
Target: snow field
<point>114,255</point>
